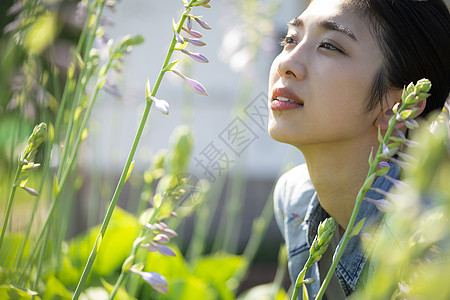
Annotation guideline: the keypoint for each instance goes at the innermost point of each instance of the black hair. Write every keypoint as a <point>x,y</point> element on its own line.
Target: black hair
<point>414,37</point>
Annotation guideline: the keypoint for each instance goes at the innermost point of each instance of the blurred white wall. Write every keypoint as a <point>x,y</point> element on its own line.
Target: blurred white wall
<point>115,121</point>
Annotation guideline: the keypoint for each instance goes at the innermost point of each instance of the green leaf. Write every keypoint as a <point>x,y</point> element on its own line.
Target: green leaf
<point>56,290</point>
<point>121,293</point>
<point>130,169</point>
<point>188,287</point>
<point>357,228</point>
<point>371,157</point>
<point>208,268</point>
<point>305,293</point>
<point>9,292</point>
<point>170,66</point>
<point>382,171</point>
<point>116,244</point>
<point>264,291</point>
<point>169,267</point>
<point>10,249</point>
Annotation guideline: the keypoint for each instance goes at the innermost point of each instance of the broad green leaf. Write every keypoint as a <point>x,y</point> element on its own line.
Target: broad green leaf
<point>115,245</point>
<point>189,287</point>
<point>56,290</point>
<point>121,293</point>
<point>10,249</point>
<point>9,292</point>
<point>169,267</point>
<point>218,269</point>
<point>263,292</point>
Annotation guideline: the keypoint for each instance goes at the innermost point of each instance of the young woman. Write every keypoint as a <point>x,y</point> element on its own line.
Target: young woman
<point>342,69</point>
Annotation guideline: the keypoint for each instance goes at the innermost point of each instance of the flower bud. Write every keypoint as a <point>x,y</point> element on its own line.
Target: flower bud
<point>195,42</point>
<point>161,105</point>
<point>202,23</point>
<point>381,204</point>
<point>196,56</point>
<point>34,141</point>
<point>178,37</point>
<point>189,22</point>
<point>192,33</point>
<point>193,84</point>
<point>322,240</point>
<point>423,85</point>
<point>156,280</point>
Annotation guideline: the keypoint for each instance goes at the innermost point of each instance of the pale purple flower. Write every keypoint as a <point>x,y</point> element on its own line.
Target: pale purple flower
<point>382,204</point>
<point>193,84</point>
<point>156,280</point>
<point>397,183</point>
<point>383,164</point>
<point>196,56</point>
<point>154,227</point>
<point>202,23</point>
<point>189,22</point>
<point>365,236</point>
<point>400,134</point>
<point>30,191</point>
<point>161,238</point>
<point>195,42</point>
<point>178,37</point>
<point>382,192</point>
<point>411,123</point>
<point>161,105</point>
<point>405,156</point>
<point>192,33</point>
<point>164,250</point>
<point>169,232</point>
<point>386,151</point>
<point>400,163</point>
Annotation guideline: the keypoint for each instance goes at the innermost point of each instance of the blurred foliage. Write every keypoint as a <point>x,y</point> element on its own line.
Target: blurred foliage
<point>412,256</point>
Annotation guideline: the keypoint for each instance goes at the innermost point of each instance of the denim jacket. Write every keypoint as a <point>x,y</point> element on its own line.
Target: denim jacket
<point>298,213</point>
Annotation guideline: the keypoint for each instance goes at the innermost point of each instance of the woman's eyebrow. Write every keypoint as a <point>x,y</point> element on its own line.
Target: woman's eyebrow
<point>331,25</point>
<point>327,24</point>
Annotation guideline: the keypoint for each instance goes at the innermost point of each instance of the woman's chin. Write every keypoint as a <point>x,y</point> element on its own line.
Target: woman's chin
<point>280,135</point>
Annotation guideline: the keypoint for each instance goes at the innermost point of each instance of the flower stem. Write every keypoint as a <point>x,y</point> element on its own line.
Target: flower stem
<point>126,168</point>
<point>10,201</point>
<point>299,281</point>
<point>360,197</point>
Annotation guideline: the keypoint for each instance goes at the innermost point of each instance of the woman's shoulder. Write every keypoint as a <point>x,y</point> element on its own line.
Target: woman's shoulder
<point>294,187</point>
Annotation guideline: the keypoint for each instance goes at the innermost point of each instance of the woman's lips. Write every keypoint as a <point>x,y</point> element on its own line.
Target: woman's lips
<point>284,99</point>
<point>283,105</point>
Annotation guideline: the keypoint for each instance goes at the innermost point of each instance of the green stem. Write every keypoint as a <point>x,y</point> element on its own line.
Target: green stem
<point>40,262</point>
<point>359,199</point>
<point>82,82</point>
<point>10,202</point>
<point>299,281</point>
<point>143,235</point>
<point>124,274</point>
<point>113,202</point>
<point>45,170</point>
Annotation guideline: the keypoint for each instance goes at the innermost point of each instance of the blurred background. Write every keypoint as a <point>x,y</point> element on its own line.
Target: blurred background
<point>232,149</point>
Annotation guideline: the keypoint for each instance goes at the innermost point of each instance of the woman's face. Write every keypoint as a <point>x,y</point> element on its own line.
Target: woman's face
<point>319,83</point>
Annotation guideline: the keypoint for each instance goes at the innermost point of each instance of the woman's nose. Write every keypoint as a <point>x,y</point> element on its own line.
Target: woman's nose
<point>290,65</point>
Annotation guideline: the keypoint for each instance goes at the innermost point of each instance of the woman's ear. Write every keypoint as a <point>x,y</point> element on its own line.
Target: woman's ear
<point>392,97</point>
<point>385,115</point>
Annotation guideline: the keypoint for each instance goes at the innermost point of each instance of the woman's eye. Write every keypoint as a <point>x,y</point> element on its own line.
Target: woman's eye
<point>328,46</point>
<point>287,41</point>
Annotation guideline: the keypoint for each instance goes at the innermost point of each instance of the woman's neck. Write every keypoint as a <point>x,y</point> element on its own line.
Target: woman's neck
<point>338,171</point>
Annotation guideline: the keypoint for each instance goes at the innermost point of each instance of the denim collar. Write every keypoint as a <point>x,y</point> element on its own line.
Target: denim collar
<point>352,262</point>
